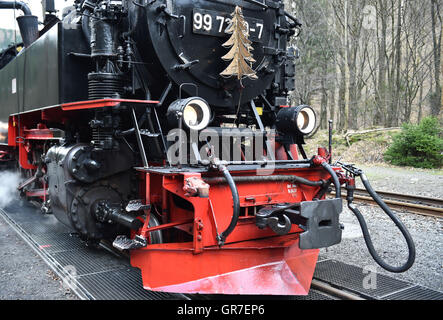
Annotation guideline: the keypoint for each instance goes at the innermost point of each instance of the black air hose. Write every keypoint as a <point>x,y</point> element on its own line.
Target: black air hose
<point>335,179</point>
<point>236,214</point>
<point>350,197</point>
<point>394,218</point>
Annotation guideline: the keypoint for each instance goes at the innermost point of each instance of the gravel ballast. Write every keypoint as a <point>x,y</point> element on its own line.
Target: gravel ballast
<point>419,182</point>
<point>426,231</point>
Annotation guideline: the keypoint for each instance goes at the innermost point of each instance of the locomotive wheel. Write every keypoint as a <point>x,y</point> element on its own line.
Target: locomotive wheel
<point>156,237</point>
<point>83,218</point>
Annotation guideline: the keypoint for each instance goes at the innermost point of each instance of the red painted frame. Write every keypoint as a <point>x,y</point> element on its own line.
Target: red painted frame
<point>252,261</point>
<point>249,253</point>
<point>28,127</point>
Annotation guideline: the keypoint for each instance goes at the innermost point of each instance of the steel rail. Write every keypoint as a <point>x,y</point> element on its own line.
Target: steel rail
<point>324,287</point>
<point>69,280</point>
<point>431,207</point>
<point>414,199</point>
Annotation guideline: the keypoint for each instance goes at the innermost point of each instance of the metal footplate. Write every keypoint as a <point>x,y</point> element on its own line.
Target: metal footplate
<point>124,243</point>
<point>136,205</point>
<point>319,220</point>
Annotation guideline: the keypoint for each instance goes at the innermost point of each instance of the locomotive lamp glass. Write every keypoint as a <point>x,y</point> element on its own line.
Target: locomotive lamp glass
<point>297,120</point>
<point>195,113</point>
<point>306,120</point>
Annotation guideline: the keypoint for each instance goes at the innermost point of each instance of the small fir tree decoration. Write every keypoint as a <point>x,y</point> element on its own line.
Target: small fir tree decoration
<point>241,47</point>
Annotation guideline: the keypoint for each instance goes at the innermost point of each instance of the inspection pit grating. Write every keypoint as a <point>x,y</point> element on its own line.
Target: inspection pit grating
<point>100,275</point>
<point>353,279</point>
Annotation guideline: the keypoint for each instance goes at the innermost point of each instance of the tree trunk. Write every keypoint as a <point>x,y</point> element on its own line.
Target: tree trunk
<point>324,105</point>
<point>436,100</point>
<point>380,119</point>
<point>396,103</point>
<point>346,71</point>
<point>420,106</point>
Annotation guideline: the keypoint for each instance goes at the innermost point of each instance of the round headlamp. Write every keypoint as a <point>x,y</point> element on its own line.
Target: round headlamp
<point>297,120</point>
<point>195,113</point>
<point>306,120</point>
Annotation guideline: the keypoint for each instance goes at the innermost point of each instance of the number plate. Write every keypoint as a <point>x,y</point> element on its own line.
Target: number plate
<point>213,23</point>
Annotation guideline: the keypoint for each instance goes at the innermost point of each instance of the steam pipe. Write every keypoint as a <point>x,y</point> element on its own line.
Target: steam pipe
<point>28,23</point>
<point>133,26</point>
<point>86,18</point>
<point>85,25</point>
<point>16,5</point>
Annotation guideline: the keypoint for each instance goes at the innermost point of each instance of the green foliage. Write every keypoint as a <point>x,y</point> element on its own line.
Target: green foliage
<point>418,146</point>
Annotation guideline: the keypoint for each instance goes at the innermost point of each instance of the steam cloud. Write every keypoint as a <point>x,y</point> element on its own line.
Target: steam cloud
<point>3,131</point>
<point>9,182</point>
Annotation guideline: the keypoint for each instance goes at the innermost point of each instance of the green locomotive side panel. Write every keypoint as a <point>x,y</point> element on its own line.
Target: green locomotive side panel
<point>31,80</point>
<point>46,73</point>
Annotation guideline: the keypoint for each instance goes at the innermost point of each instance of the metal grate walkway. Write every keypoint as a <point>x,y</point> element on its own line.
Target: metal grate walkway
<point>91,273</point>
<point>351,278</point>
<point>103,275</point>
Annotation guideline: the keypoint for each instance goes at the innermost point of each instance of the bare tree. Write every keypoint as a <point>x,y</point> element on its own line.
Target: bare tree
<point>360,75</point>
<point>437,29</point>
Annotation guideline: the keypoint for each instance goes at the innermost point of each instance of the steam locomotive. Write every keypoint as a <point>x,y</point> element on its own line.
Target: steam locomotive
<point>124,128</point>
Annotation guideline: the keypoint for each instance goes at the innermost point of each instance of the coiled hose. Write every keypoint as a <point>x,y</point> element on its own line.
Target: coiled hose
<point>411,246</point>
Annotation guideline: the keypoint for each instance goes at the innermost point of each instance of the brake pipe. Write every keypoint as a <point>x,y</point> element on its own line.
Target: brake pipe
<point>276,178</point>
<point>353,172</point>
<point>411,246</point>
<point>320,161</point>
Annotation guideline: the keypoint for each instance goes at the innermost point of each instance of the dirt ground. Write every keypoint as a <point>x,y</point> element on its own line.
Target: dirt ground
<point>23,274</point>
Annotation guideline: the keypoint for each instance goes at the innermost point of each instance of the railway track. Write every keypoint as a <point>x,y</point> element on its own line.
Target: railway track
<point>426,206</point>
<point>335,293</point>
